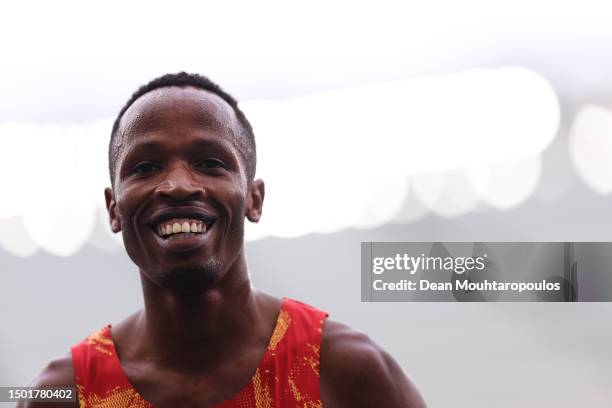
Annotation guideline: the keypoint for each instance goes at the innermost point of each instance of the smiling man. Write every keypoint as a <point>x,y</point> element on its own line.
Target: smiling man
<point>182,164</point>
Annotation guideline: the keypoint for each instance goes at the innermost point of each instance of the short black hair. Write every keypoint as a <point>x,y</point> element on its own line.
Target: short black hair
<point>183,79</point>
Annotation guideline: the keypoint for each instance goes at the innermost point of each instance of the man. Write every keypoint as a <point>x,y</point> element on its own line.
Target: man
<point>182,164</point>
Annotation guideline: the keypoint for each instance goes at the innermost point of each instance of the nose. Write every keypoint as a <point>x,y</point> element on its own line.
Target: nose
<point>179,184</point>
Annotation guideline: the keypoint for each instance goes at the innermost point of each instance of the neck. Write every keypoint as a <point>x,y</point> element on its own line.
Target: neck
<point>184,330</point>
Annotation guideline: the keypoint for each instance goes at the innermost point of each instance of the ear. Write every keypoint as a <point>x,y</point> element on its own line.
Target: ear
<point>255,200</point>
<point>111,207</point>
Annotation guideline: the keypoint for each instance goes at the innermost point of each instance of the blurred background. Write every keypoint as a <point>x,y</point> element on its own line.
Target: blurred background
<point>386,121</point>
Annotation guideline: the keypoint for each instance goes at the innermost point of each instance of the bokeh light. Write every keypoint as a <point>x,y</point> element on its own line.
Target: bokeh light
<point>591,147</point>
<point>357,157</point>
<point>505,185</point>
<point>447,193</point>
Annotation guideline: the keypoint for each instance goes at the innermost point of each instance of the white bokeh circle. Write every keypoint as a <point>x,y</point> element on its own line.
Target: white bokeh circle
<point>591,147</point>
<point>507,184</point>
<point>447,193</point>
<point>14,237</point>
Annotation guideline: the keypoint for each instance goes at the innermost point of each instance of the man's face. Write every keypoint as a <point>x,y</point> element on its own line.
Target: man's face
<point>181,191</point>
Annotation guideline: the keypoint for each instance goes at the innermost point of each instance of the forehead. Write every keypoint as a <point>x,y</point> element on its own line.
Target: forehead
<point>176,109</point>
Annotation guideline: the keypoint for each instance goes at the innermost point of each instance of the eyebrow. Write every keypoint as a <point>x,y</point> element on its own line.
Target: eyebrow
<point>214,143</point>
<point>155,145</point>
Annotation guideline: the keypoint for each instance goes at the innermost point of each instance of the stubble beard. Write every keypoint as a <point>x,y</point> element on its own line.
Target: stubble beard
<point>193,278</point>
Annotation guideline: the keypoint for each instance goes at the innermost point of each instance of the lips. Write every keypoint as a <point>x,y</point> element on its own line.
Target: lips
<point>182,229</point>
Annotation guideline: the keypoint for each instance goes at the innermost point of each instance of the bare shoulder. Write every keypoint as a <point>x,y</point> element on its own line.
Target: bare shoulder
<point>57,373</point>
<point>356,372</point>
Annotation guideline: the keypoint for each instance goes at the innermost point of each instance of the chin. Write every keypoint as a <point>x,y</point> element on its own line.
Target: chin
<point>191,278</point>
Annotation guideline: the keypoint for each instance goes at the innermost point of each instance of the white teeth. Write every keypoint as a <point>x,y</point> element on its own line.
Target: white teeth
<point>180,226</point>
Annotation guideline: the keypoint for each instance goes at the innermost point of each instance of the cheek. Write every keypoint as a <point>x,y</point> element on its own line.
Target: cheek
<point>239,203</point>
<point>235,203</point>
<point>128,204</point>
<point>127,215</point>
<point>129,200</point>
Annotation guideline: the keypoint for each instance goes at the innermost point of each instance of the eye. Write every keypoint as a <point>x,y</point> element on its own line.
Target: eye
<point>144,168</point>
<point>211,164</point>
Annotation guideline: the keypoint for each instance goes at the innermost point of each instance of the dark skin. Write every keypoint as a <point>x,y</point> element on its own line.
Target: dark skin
<point>204,329</point>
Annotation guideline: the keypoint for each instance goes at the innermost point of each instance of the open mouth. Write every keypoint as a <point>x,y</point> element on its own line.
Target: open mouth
<point>182,228</point>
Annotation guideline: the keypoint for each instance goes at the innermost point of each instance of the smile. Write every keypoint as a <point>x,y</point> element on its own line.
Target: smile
<point>182,229</point>
<point>179,228</point>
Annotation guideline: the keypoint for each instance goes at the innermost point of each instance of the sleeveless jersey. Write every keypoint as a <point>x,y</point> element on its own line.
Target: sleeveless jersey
<point>287,376</point>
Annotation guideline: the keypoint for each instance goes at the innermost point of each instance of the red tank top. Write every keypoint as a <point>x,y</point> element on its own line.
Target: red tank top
<point>288,375</point>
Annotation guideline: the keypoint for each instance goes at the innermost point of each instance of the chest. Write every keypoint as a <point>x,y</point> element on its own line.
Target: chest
<point>219,386</point>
